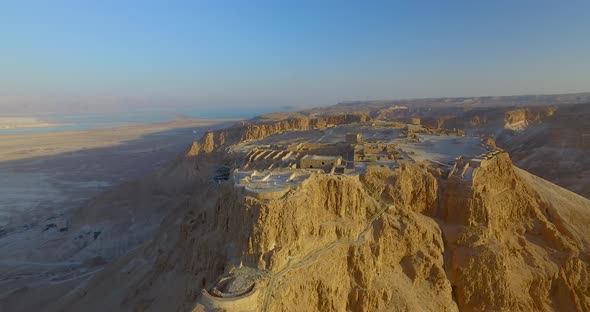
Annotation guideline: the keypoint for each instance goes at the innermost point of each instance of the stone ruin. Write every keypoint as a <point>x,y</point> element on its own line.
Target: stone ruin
<point>236,291</point>
<point>464,167</point>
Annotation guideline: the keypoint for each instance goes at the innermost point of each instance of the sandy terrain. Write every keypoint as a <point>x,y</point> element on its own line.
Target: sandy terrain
<point>46,177</point>
<point>26,145</point>
<point>443,149</point>
<point>44,170</point>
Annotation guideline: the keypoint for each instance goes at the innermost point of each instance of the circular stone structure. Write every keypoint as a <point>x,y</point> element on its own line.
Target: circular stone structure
<point>230,286</point>
<point>233,292</point>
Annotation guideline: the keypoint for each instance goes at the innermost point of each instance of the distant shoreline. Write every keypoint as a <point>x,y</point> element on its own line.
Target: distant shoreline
<point>21,145</point>
<point>54,122</point>
<point>24,125</point>
<point>18,123</point>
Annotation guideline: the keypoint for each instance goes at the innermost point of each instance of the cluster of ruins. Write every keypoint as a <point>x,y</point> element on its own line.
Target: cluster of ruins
<point>277,168</point>
<point>414,125</point>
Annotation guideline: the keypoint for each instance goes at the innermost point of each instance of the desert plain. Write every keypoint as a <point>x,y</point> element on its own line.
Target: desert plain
<point>46,176</point>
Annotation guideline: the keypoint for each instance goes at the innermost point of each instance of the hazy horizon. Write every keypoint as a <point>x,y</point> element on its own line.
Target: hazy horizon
<point>67,56</point>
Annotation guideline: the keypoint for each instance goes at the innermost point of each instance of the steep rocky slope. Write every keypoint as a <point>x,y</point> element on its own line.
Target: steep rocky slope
<point>506,250</point>
<point>100,231</point>
<point>410,239</point>
<point>556,148</point>
<point>519,119</point>
<point>255,130</point>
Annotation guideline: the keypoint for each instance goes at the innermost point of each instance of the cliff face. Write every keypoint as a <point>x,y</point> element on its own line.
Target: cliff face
<point>402,240</point>
<point>208,143</point>
<point>555,149</point>
<point>259,131</point>
<point>440,122</point>
<point>338,245</point>
<point>372,244</point>
<point>519,119</point>
<point>505,252</point>
<point>215,140</point>
<point>412,187</point>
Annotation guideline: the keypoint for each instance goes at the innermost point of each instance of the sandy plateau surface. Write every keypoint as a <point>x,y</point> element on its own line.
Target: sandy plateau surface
<point>443,149</point>
<point>46,177</point>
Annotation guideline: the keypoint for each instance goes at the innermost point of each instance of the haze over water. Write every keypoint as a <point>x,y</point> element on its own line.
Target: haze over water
<point>80,121</point>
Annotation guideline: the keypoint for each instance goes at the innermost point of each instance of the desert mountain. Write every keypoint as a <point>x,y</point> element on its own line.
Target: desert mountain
<point>358,207</point>
<point>480,236</point>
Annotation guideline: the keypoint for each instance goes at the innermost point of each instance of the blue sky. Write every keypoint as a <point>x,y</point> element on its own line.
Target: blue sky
<point>241,54</point>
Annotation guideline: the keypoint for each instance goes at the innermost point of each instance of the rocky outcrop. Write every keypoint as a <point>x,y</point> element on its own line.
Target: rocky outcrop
<point>504,251</point>
<point>259,131</point>
<point>412,187</point>
<point>491,142</point>
<point>555,149</point>
<point>407,239</point>
<point>194,150</point>
<point>336,255</point>
<point>438,122</point>
<point>262,130</point>
<point>208,143</point>
<point>517,119</point>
